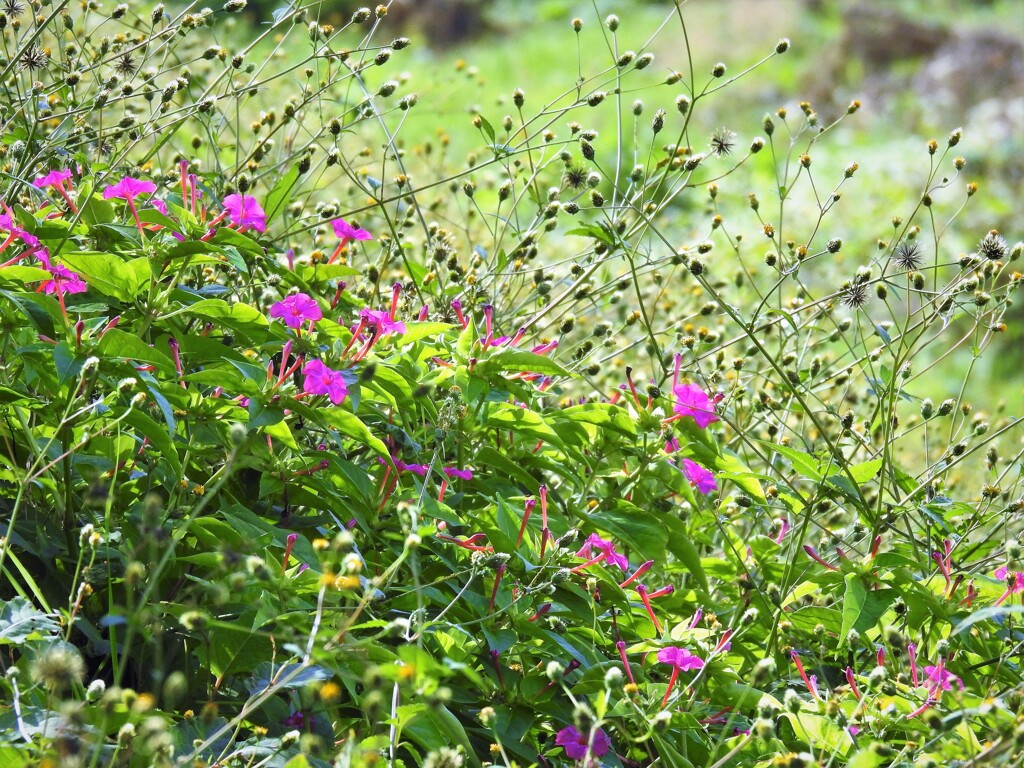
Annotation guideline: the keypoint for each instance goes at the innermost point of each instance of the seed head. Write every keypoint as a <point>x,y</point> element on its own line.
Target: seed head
<point>33,58</point>
<point>59,667</point>
<point>658,121</point>
<point>782,46</point>
<point>908,256</point>
<point>855,295</point>
<point>722,142</point>
<point>993,247</point>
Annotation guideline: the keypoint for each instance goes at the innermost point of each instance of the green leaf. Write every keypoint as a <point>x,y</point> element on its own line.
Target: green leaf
<point>128,346</point>
<point>349,424</point>
<point>604,415</point>
<point>159,436</point>
<point>992,612</point>
<point>641,530</point>
<point>235,315</point>
<point>680,544</point>
<point>414,331</point>
<point>20,621</point>
<point>523,421</point>
<point>281,193</point>
<point>319,273</point>
<point>520,360</point>
<point>866,471</point>
<point>803,463</point>
<point>487,128</point>
<point>862,608</point>
<point>108,274</point>
<point>22,274</point>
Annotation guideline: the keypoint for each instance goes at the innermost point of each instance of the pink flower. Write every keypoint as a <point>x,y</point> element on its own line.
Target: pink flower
<point>129,188</point>
<point>576,744</point>
<point>53,179</point>
<point>416,469</point>
<point>680,658</point>
<point>939,677</point>
<point>382,321</point>
<point>7,223</point>
<point>321,380</point>
<point>160,205</point>
<point>346,231</point>
<point>246,212</point>
<point>296,310</point>
<point>693,401</point>
<point>607,553</point>
<point>1014,582</point>
<point>702,478</point>
<point>672,445</point>
<point>462,474</point>
<point>63,281</point>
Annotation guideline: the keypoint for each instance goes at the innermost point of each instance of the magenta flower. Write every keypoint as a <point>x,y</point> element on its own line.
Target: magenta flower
<point>246,212</point>
<point>381,321</point>
<point>296,310</point>
<point>53,179</point>
<point>702,478</point>
<point>939,677</point>
<point>576,744</point>
<point>693,401</point>
<point>681,660</point>
<point>129,188</point>
<point>607,553</point>
<point>462,474</point>
<point>14,231</point>
<point>346,231</point>
<point>160,205</point>
<point>63,281</point>
<point>321,380</point>
<point>416,469</point>
<point>1014,582</point>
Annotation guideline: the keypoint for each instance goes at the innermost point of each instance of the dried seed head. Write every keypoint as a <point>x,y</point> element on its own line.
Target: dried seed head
<point>993,247</point>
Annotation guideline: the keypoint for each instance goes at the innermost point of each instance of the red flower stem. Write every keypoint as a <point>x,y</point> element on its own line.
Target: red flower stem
<point>494,591</point>
<point>803,674</point>
<point>642,591</point>
<point>288,551</point>
<point>530,504</point>
<point>540,612</point>
<point>853,683</point>
<point>632,387</point>
<point>671,685</point>
<point>135,215</point>
<point>441,491</point>
<point>67,199</point>
<point>338,250</point>
<point>621,646</point>
<point>644,568</point>
<point>544,532</point>
<point>355,335</point>
<point>589,562</point>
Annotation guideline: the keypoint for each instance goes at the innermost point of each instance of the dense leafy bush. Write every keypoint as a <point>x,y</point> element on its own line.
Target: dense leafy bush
<point>318,451</point>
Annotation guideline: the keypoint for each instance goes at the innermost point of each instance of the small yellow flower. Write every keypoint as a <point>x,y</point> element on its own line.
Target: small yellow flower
<point>330,692</point>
